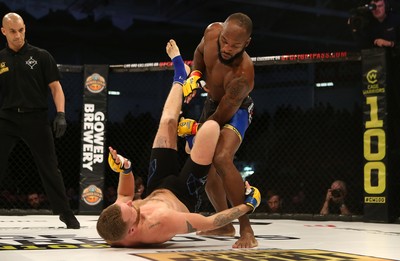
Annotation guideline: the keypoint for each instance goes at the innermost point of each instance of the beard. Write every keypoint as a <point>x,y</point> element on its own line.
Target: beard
<point>230,60</point>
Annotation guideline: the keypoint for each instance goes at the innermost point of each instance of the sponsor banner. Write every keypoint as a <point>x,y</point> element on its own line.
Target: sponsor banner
<point>375,140</point>
<point>260,60</point>
<point>93,151</point>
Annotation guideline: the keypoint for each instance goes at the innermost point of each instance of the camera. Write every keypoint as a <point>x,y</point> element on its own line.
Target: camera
<point>360,16</point>
<point>336,193</point>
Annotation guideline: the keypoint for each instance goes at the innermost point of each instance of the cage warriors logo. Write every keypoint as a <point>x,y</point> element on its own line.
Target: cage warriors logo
<point>373,83</point>
<point>372,77</point>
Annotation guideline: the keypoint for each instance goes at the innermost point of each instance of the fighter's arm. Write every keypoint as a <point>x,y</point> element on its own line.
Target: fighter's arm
<point>235,92</point>
<point>195,79</point>
<point>126,183</point>
<point>191,222</point>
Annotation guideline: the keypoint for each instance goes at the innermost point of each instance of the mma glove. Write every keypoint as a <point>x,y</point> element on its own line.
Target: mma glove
<point>253,198</point>
<point>119,167</point>
<point>192,83</point>
<point>187,127</point>
<point>59,124</point>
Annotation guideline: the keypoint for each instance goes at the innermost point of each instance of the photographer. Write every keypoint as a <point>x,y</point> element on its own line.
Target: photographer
<point>375,25</point>
<point>335,199</point>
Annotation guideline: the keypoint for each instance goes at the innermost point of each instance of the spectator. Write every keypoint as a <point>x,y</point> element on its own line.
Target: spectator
<point>34,201</point>
<point>274,202</point>
<point>335,200</point>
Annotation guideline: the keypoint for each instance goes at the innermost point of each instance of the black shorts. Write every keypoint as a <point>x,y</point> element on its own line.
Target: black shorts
<point>185,184</point>
<point>211,106</point>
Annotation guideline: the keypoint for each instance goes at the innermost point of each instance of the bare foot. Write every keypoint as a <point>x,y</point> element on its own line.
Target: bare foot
<point>246,240</point>
<point>172,49</point>
<point>227,231</point>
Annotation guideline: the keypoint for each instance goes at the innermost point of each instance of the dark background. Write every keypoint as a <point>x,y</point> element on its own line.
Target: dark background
<point>131,31</point>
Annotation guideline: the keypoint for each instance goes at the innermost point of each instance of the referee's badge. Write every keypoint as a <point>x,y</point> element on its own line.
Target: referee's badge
<point>3,68</point>
<point>31,62</point>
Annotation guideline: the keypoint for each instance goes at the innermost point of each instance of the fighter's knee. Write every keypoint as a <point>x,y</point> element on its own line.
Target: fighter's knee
<point>221,158</point>
<point>211,125</point>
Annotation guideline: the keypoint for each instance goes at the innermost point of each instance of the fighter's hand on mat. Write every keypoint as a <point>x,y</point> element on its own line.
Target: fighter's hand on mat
<point>187,127</point>
<point>118,163</point>
<point>253,196</point>
<point>192,83</point>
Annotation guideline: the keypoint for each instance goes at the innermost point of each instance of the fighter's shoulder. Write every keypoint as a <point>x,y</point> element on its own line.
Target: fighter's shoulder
<point>246,64</point>
<point>214,27</point>
<point>247,59</point>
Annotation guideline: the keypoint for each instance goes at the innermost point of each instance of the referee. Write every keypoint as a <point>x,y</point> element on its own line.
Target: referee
<point>25,74</point>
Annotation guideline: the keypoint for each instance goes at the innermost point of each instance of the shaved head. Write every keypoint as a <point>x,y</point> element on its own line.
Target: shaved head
<point>11,17</point>
<point>13,28</point>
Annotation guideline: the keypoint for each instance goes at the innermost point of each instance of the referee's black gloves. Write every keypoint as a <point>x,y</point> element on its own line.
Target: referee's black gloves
<point>59,124</point>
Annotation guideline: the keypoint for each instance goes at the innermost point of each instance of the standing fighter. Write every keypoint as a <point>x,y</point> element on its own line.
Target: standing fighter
<point>221,59</point>
<point>26,73</point>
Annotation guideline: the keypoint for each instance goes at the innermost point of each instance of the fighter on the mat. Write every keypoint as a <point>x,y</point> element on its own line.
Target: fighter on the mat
<point>172,194</point>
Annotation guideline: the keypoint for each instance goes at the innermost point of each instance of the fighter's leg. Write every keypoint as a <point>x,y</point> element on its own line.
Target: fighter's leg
<point>194,172</point>
<point>206,141</point>
<point>217,196</point>
<point>215,190</point>
<point>166,136</point>
<point>232,181</point>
